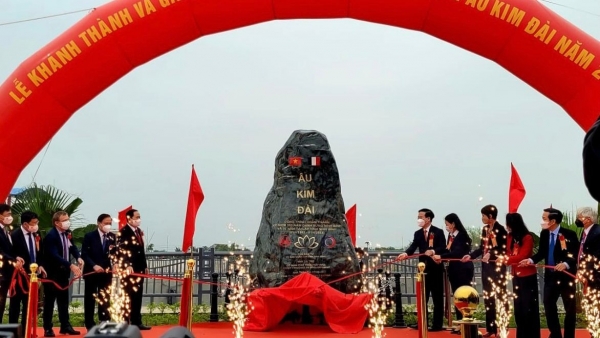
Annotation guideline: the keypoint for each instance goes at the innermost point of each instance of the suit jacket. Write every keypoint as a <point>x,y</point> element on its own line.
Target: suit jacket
<point>54,262</point>
<point>591,247</point>
<point>518,251</point>
<point>487,242</point>
<point>460,247</point>
<point>437,239</point>
<point>8,255</point>
<point>94,253</point>
<point>591,160</point>
<point>22,250</point>
<point>567,255</point>
<point>130,250</point>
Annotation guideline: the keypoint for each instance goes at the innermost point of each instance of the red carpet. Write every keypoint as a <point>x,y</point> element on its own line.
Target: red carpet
<point>225,330</point>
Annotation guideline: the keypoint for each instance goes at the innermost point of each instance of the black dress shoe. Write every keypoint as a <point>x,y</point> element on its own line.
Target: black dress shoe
<point>49,333</point>
<point>143,327</point>
<point>435,329</point>
<point>414,326</point>
<point>69,330</point>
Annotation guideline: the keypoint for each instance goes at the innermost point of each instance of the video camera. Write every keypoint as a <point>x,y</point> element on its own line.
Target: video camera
<point>106,329</point>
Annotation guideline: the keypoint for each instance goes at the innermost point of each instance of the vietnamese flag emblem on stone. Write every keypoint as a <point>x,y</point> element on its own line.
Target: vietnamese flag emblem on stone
<point>295,161</point>
<point>315,161</point>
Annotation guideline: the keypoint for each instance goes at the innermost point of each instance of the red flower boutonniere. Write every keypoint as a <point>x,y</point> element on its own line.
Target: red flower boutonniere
<point>37,241</point>
<point>450,243</point>
<point>493,238</point>
<point>430,240</point>
<point>69,236</point>
<point>563,241</point>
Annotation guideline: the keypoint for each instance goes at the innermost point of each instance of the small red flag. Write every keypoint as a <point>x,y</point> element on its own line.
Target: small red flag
<point>351,219</point>
<point>295,161</point>
<point>315,161</point>
<point>123,217</point>
<point>516,192</point>
<point>195,198</point>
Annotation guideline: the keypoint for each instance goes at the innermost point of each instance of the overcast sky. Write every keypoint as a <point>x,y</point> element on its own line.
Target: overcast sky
<point>412,121</point>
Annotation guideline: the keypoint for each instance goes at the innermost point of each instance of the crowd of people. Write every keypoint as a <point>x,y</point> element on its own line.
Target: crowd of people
<point>511,248</point>
<point>102,254</point>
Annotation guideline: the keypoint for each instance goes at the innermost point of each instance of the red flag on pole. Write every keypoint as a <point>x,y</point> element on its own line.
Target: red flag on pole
<point>195,198</point>
<point>516,192</point>
<point>351,219</point>
<point>123,217</point>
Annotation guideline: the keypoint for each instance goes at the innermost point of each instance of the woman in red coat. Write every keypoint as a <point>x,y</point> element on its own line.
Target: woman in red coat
<point>524,279</point>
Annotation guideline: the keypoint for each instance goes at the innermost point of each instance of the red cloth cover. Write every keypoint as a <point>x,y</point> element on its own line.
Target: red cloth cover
<point>345,313</point>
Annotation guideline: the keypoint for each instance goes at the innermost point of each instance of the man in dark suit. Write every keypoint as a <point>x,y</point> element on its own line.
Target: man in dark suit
<point>589,249</point>
<point>558,247</point>
<point>57,251</point>
<point>10,261</point>
<point>493,244</point>
<point>429,240</point>
<point>132,256</point>
<point>26,244</point>
<point>591,160</point>
<point>95,252</point>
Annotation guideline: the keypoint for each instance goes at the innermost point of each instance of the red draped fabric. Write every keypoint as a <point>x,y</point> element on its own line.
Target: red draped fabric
<point>344,313</point>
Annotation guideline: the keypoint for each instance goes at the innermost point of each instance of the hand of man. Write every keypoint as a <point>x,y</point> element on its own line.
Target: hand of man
<point>402,256</point>
<point>437,259</point>
<point>21,260</point>
<point>76,270</point>
<point>42,272</point>
<point>485,258</point>
<point>466,258</point>
<point>98,268</point>
<point>18,264</point>
<point>129,270</point>
<point>429,253</point>
<point>524,262</point>
<point>560,267</point>
<point>81,262</point>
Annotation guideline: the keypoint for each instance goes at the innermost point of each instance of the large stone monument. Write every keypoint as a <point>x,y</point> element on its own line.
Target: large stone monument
<point>303,226</point>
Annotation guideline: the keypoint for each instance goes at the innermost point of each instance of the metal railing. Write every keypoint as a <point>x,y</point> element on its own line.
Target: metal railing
<point>208,262</point>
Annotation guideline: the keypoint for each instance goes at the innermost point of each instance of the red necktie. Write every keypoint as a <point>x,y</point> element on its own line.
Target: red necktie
<point>581,247</point>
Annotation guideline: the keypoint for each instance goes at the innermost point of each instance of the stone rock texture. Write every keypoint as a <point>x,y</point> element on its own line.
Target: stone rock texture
<point>303,226</point>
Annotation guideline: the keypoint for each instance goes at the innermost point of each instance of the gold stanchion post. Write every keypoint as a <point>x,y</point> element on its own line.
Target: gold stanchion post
<point>190,275</point>
<point>32,310</point>
<point>422,300</point>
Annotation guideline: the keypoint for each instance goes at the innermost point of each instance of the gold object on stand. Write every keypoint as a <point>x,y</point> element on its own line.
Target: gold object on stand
<point>466,299</point>
<point>189,274</point>
<point>423,303</point>
<point>32,280</point>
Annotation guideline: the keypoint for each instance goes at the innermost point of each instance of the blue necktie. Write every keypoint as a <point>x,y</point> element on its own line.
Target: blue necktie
<point>31,250</point>
<point>551,251</point>
<point>104,243</point>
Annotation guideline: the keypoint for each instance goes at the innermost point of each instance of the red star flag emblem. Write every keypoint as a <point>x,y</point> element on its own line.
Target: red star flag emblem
<point>295,161</point>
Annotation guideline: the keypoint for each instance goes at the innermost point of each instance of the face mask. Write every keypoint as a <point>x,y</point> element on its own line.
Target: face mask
<point>545,225</point>
<point>420,223</point>
<point>579,223</point>
<point>33,228</point>
<point>137,222</point>
<point>7,220</point>
<point>65,225</point>
<point>106,228</point>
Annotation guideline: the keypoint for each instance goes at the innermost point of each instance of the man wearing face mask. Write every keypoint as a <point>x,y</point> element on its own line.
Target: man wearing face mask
<point>58,250</point>
<point>10,261</point>
<point>493,245</point>
<point>589,249</point>
<point>95,252</point>
<point>429,240</point>
<point>130,243</point>
<point>558,247</point>
<point>27,244</point>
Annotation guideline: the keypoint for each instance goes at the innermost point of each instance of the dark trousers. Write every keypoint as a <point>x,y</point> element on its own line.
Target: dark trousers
<point>51,294</point>
<point>98,285</point>
<point>434,285</point>
<point>489,277</point>
<point>527,306</point>
<point>457,279</point>
<point>556,286</point>
<point>134,288</point>
<point>4,286</point>
<point>18,305</point>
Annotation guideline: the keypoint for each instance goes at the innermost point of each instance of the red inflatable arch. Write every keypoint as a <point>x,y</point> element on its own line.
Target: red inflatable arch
<point>526,38</point>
